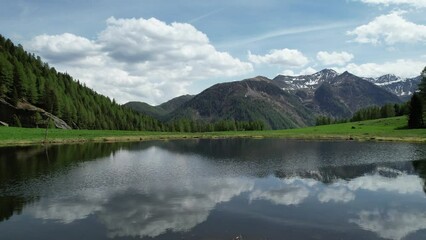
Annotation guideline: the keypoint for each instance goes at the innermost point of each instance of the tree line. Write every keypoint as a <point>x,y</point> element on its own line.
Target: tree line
<point>25,78</point>
<point>187,125</point>
<point>368,113</point>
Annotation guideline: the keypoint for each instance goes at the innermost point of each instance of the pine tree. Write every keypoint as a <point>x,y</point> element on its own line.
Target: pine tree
<point>415,117</point>
<point>6,76</point>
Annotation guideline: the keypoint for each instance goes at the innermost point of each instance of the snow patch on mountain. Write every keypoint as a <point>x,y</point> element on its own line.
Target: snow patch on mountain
<point>305,81</point>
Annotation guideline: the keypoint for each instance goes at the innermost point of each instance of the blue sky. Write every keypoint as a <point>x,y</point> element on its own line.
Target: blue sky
<point>153,50</point>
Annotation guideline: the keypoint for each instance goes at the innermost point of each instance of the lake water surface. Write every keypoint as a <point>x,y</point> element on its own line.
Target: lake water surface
<point>214,189</point>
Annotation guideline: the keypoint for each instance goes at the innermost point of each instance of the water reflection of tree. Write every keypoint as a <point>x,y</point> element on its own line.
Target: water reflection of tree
<point>18,164</point>
<point>23,163</point>
<point>11,205</point>
<point>420,167</point>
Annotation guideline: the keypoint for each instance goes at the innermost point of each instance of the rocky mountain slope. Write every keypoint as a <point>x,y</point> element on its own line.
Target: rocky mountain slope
<point>248,100</point>
<point>347,93</point>
<point>339,96</point>
<point>27,115</point>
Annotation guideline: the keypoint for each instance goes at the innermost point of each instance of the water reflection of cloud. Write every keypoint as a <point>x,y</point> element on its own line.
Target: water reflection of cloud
<point>392,224</point>
<point>151,214</point>
<point>136,194</point>
<point>295,190</point>
<point>344,191</point>
<point>336,195</point>
<point>69,208</point>
<point>403,184</point>
<point>283,196</point>
<point>138,213</point>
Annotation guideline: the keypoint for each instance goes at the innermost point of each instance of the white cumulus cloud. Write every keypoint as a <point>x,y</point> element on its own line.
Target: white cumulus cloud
<point>415,3</point>
<point>139,59</point>
<point>288,72</point>
<point>400,67</point>
<point>284,57</point>
<point>65,47</point>
<point>306,71</point>
<point>390,29</point>
<point>334,58</point>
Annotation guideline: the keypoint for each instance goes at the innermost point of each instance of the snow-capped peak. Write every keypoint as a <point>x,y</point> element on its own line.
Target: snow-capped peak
<point>387,79</point>
<point>400,86</point>
<point>305,81</point>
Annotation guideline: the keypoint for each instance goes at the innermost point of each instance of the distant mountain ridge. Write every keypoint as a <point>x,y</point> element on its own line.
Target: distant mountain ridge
<point>402,87</point>
<point>160,111</point>
<point>336,95</point>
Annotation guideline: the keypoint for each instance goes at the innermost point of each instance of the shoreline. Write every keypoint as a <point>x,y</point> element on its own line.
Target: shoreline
<point>379,130</point>
<point>141,138</point>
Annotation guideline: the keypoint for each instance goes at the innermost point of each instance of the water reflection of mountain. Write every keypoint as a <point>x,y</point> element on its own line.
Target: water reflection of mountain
<point>301,153</point>
<point>323,161</point>
<point>329,175</point>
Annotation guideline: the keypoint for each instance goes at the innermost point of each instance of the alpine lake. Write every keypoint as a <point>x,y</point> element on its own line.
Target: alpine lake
<point>214,189</point>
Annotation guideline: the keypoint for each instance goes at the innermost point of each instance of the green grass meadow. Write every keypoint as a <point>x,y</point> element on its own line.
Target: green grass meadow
<point>389,129</point>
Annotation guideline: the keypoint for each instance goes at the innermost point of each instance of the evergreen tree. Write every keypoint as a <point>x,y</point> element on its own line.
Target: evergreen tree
<point>19,80</point>
<point>418,100</point>
<point>415,118</point>
<point>6,75</point>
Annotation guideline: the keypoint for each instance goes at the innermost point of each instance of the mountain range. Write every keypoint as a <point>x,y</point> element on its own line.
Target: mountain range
<point>285,101</point>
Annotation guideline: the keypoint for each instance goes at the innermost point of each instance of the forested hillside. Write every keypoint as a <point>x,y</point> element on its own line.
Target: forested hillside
<point>25,78</point>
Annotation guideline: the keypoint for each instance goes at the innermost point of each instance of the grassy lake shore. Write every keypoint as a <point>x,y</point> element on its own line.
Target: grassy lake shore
<point>389,129</point>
